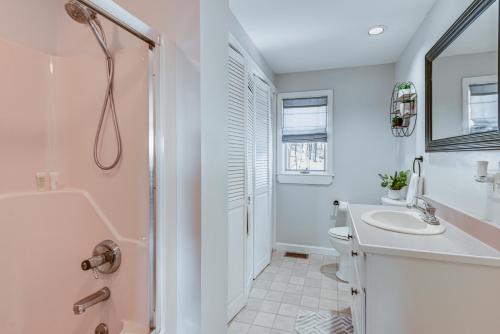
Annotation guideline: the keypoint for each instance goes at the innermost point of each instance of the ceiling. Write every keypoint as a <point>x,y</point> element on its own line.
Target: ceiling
<point>300,35</point>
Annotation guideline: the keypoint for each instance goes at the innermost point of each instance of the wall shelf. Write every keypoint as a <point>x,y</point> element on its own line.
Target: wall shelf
<point>403,110</point>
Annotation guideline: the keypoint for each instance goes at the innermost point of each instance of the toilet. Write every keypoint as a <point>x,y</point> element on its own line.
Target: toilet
<point>339,240</point>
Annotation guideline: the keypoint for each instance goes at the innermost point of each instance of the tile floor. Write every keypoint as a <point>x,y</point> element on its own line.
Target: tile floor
<point>287,286</point>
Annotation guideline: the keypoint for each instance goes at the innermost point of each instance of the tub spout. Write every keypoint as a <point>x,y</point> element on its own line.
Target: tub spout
<point>82,305</point>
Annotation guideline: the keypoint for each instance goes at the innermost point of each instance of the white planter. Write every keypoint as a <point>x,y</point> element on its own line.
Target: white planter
<point>394,194</point>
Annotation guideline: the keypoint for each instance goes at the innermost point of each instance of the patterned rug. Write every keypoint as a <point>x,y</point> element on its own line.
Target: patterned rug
<point>309,322</point>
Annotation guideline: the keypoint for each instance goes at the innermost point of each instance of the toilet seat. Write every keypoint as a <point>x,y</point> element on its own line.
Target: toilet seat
<point>339,232</point>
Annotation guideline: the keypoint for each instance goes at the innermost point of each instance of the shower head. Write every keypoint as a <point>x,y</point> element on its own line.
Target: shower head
<point>78,12</point>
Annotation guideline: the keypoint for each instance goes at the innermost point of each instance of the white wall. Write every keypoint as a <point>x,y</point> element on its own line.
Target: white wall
<point>246,43</point>
<point>449,176</point>
<point>363,146</point>
<point>448,72</point>
<point>214,42</point>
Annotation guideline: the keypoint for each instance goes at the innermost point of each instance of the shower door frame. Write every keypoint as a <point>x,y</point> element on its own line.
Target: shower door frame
<point>119,16</point>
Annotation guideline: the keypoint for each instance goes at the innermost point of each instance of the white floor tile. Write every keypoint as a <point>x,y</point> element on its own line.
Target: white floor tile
<point>259,330</point>
<point>270,306</point>
<point>296,280</point>
<point>246,316</point>
<point>288,310</point>
<point>291,298</point>
<point>275,296</point>
<point>264,319</point>
<point>258,293</point>
<point>284,323</point>
<point>254,304</point>
<point>311,292</point>
<point>292,288</point>
<point>313,282</point>
<point>238,328</point>
<point>309,301</point>
<point>287,286</point>
<point>282,278</point>
<point>278,286</point>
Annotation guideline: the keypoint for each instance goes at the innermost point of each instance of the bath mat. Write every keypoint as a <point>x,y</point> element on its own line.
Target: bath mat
<point>309,322</point>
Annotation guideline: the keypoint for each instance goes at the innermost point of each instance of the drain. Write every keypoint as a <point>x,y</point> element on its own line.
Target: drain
<point>102,329</point>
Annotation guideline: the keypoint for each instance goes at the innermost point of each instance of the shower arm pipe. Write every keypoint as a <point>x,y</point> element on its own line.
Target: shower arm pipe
<point>124,19</point>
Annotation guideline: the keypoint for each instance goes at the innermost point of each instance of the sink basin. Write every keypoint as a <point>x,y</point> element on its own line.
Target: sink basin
<point>408,222</point>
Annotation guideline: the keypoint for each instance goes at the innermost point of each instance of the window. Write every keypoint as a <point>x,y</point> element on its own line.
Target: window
<point>480,104</point>
<point>304,136</point>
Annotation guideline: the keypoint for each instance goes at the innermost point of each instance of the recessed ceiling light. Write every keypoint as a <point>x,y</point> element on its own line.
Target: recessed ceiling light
<point>376,30</point>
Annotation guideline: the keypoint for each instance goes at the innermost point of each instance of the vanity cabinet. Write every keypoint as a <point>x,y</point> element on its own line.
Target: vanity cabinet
<point>416,291</point>
<point>358,287</point>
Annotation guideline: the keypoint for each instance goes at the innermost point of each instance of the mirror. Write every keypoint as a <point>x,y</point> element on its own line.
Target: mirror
<point>462,83</point>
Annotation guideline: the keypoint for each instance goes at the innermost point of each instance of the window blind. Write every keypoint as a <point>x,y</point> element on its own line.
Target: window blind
<point>305,120</point>
<point>484,107</point>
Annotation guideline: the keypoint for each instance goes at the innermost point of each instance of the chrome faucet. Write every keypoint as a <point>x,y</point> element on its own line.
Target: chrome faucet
<point>428,212</point>
<point>82,305</point>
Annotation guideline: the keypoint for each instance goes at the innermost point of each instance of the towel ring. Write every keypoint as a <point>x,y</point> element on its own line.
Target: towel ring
<point>418,160</point>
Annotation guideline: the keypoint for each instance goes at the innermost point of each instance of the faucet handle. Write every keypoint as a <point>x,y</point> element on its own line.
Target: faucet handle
<point>106,259</point>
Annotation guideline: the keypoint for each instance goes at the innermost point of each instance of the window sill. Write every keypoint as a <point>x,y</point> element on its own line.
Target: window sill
<point>313,179</point>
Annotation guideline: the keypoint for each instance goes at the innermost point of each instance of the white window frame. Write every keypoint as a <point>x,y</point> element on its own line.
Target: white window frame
<point>312,177</point>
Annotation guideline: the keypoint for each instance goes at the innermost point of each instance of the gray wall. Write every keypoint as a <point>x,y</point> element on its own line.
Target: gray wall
<point>449,177</point>
<point>363,147</point>
<point>448,72</point>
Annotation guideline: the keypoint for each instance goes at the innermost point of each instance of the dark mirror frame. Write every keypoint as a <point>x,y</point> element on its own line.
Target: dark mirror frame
<point>474,142</point>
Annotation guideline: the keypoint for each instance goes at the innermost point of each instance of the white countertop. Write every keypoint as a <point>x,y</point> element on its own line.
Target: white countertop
<point>453,245</point>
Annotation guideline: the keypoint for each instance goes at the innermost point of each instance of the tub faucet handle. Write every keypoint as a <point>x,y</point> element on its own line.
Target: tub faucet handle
<point>106,259</point>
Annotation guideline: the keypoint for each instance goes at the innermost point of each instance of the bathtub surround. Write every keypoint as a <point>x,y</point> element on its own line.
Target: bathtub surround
<point>362,146</point>
<point>52,131</point>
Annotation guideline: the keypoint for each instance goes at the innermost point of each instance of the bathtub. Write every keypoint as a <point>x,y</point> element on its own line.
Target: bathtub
<point>43,239</point>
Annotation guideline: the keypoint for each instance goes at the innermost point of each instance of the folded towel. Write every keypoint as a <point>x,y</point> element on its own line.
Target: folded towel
<point>413,188</point>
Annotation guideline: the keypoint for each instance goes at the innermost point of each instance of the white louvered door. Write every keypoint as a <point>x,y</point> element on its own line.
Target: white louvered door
<point>236,185</point>
<point>250,177</point>
<point>262,232</point>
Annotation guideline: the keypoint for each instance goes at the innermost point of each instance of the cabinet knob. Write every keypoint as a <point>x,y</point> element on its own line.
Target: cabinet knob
<point>354,292</point>
<point>349,236</point>
<point>353,253</point>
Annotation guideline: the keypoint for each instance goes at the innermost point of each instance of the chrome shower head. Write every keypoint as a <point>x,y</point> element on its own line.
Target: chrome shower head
<point>78,12</point>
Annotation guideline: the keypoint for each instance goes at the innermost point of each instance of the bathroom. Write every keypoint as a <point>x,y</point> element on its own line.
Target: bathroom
<point>228,166</point>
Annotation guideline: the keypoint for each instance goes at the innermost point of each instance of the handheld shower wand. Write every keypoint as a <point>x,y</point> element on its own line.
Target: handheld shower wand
<point>81,14</point>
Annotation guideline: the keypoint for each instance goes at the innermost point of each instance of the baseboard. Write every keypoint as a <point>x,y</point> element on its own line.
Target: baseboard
<point>305,249</point>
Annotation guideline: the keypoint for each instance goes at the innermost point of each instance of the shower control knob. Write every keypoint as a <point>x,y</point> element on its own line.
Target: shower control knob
<point>106,258</point>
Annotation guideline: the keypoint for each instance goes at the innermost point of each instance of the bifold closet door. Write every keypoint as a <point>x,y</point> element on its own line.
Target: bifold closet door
<point>262,247</point>
<point>250,177</point>
<point>236,184</point>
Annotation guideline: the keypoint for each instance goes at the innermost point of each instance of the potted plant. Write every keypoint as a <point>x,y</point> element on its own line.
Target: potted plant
<point>397,121</point>
<point>404,88</point>
<point>395,183</point>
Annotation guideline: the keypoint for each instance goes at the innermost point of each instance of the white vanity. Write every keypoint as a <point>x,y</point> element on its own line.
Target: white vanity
<point>415,284</point>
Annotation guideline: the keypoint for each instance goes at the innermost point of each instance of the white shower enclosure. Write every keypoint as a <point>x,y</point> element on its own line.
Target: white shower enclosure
<point>56,204</point>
